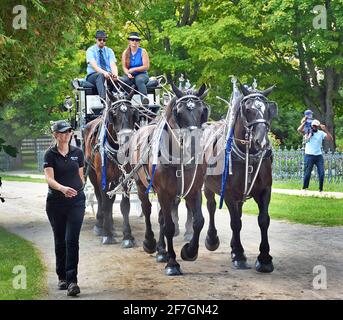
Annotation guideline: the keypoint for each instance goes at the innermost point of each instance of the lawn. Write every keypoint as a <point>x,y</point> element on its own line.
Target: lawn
<point>297,185</point>
<point>15,251</point>
<point>21,179</point>
<point>306,210</point>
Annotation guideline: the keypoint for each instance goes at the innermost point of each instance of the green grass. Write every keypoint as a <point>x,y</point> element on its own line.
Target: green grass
<point>297,185</point>
<point>15,251</point>
<point>21,179</point>
<point>306,210</point>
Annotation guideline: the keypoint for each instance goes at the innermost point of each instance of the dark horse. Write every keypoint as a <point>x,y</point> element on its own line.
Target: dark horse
<point>119,118</point>
<point>251,126</point>
<point>185,113</point>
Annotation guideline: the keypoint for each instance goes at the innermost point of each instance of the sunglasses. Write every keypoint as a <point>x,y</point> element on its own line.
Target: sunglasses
<point>101,40</point>
<point>67,131</point>
<point>135,40</point>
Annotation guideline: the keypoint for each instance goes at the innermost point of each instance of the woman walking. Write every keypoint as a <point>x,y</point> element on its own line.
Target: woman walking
<point>65,204</point>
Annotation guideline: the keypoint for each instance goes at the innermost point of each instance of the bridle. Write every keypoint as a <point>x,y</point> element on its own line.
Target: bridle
<point>247,141</point>
<point>248,125</point>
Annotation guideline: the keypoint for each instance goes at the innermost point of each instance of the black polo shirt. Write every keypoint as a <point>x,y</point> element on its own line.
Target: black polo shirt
<point>66,169</point>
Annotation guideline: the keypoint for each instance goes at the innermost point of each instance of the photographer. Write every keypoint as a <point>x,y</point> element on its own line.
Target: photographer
<point>313,151</point>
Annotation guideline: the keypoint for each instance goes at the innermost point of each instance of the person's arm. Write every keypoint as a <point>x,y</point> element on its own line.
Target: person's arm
<point>92,61</point>
<point>146,63</point>
<point>50,178</point>
<point>81,175</point>
<point>81,160</point>
<point>328,134</point>
<point>113,64</point>
<point>301,127</point>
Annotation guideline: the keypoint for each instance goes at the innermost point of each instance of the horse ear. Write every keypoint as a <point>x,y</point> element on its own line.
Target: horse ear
<point>244,90</point>
<point>176,90</point>
<point>130,95</point>
<point>268,91</point>
<point>201,90</point>
<point>204,95</point>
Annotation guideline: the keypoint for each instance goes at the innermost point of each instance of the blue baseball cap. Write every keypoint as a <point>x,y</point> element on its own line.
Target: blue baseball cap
<point>308,112</point>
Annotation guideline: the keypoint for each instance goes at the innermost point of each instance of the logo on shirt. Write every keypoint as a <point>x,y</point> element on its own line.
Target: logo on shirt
<point>74,158</point>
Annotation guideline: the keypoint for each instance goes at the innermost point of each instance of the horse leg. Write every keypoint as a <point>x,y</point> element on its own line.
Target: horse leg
<point>188,225</point>
<point>149,244</point>
<point>161,255</point>
<point>212,240</point>
<point>172,268</point>
<point>189,251</point>
<point>264,260</point>
<point>175,216</point>
<point>107,206</point>
<point>128,239</point>
<point>239,260</point>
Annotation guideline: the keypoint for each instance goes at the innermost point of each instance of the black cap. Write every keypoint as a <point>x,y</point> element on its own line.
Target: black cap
<point>134,35</point>
<point>100,34</point>
<point>60,126</point>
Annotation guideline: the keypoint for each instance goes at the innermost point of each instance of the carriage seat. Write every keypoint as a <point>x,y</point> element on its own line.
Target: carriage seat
<point>84,85</point>
<point>152,85</point>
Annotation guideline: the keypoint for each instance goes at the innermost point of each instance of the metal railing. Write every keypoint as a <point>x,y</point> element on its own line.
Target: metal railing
<point>289,164</point>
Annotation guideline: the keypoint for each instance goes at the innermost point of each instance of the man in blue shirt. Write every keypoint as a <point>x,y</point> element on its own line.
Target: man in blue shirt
<point>313,151</point>
<point>101,64</point>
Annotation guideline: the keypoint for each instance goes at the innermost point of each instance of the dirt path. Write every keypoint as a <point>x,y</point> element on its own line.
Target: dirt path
<point>109,272</point>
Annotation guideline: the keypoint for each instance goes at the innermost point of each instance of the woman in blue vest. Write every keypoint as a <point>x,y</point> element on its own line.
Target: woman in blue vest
<point>135,61</point>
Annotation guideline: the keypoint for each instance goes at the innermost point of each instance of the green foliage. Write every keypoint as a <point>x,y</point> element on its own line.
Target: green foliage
<point>273,41</point>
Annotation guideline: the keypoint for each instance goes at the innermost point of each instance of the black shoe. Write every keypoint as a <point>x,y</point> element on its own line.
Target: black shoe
<point>73,289</point>
<point>62,285</point>
<point>145,101</point>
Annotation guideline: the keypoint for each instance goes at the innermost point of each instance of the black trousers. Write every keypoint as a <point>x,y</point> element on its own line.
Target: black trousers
<point>66,217</point>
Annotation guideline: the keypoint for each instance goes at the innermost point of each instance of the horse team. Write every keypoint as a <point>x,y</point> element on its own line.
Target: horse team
<point>185,140</point>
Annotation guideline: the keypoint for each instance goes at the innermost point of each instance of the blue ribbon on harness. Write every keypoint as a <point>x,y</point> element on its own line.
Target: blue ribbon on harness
<point>153,169</point>
<point>226,167</point>
<point>103,169</point>
<point>152,179</point>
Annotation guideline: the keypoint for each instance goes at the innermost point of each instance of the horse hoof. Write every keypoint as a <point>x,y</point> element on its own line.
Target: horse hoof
<point>264,267</point>
<point>188,237</point>
<point>149,247</point>
<point>128,243</point>
<point>99,232</point>
<point>185,255</point>
<point>210,245</point>
<point>162,257</point>
<point>173,271</point>
<point>240,265</point>
<point>108,240</point>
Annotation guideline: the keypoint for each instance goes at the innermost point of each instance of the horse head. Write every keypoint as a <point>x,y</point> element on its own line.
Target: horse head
<point>256,113</point>
<point>122,115</point>
<point>187,109</point>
